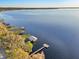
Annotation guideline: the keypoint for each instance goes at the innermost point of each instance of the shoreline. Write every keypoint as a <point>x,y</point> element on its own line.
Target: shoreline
<point>34,8</point>
<point>27,8</point>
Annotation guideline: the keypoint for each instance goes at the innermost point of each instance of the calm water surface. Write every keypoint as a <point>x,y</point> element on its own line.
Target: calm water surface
<point>58,28</point>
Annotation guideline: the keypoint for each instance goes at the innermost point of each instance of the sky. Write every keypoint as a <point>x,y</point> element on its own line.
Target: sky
<point>39,3</point>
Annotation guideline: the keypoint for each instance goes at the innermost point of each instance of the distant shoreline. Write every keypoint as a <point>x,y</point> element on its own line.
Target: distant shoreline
<point>21,8</point>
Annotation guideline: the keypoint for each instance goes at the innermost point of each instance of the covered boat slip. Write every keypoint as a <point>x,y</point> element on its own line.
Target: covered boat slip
<point>14,45</point>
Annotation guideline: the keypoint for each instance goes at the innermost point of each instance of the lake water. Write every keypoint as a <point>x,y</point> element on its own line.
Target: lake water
<point>59,28</point>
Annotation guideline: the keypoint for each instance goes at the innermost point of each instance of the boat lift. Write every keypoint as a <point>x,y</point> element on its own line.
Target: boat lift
<point>40,49</point>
